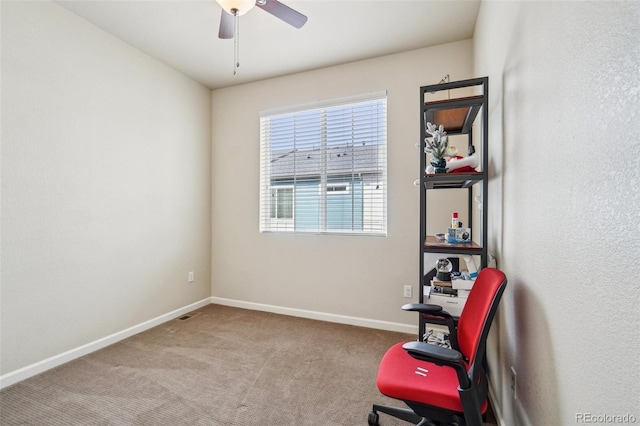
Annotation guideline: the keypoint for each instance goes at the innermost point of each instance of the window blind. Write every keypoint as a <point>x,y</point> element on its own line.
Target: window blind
<point>323,168</point>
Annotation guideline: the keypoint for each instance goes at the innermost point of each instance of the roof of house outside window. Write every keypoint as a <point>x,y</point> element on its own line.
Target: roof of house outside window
<point>346,160</point>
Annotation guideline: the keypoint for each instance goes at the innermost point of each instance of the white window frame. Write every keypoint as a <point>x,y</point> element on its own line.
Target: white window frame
<point>377,227</point>
<point>284,222</point>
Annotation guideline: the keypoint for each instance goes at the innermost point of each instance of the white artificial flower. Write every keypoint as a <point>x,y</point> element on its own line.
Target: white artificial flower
<point>438,145</point>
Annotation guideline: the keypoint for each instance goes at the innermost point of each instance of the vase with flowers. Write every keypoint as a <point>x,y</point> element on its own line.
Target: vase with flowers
<point>437,144</point>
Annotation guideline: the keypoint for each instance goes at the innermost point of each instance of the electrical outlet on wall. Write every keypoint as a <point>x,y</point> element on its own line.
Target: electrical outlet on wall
<point>191,278</point>
<point>408,291</point>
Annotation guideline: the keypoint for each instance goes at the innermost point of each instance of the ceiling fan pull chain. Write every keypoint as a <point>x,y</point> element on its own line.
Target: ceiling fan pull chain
<point>236,42</point>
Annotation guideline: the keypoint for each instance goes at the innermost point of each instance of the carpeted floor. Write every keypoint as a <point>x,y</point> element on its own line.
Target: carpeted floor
<point>221,366</point>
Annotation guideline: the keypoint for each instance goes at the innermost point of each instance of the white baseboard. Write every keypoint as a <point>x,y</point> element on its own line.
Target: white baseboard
<point>54,361</point>
<point>320,316</point>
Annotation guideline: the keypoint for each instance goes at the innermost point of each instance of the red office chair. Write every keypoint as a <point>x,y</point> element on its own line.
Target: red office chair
<point>442,385</point>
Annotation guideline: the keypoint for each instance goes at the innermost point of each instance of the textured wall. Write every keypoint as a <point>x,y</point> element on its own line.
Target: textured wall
<point>105,185</point>
<point>565,197</point>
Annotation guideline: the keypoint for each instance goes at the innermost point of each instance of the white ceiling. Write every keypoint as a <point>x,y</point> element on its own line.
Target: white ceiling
<point>184,33</point>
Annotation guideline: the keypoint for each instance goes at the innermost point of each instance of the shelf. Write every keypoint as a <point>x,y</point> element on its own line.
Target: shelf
<point>434,245</point>
<point>456,116</point>
<point>452,180</point>
<point>466,117</point>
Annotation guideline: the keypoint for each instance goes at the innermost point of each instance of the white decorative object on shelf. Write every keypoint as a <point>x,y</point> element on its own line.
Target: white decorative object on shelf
<point>438,147</point>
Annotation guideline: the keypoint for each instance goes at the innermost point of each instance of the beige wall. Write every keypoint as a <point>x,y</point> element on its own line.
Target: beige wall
<point>106,187</point>
<point>347,276</point>
<point>564,203</point>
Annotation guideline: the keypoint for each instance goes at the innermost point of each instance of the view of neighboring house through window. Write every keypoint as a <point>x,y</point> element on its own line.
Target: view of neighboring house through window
<point>323,168</point>
<point>282,202</point>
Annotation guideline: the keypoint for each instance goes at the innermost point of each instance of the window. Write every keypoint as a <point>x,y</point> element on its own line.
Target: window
<point>323,168</point>
<point>338,188</point>
<point>282,202</point>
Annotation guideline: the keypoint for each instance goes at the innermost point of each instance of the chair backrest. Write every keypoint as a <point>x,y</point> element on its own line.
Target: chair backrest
<point>478,312</point>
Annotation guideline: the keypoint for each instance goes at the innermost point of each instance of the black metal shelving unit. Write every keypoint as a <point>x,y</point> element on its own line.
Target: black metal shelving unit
<point>458,116</point>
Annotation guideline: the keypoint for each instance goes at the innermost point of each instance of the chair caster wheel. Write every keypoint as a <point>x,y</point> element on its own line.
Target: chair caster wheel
<point>373,419</point>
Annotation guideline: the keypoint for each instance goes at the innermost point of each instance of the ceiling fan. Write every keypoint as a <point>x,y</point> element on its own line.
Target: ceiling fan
<point>230,19</point>
<point>232,9</point>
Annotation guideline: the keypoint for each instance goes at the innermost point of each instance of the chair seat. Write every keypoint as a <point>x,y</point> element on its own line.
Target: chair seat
<point>401,376</point>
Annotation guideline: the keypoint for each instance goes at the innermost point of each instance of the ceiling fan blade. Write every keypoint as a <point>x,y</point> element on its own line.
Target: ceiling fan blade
<point>284,12</point>
<point>227,25</point>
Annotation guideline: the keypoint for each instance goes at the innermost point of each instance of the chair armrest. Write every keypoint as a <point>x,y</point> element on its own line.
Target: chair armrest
<point>432,353</point>
<point>440,356</point>
<point>423,308</point>
<point>428,310</point>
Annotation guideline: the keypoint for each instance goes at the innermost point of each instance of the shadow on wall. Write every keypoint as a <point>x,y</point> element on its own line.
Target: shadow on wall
<point>531,354</point>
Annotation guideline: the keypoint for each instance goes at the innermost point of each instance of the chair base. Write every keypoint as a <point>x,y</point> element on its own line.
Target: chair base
<point>399,413</point>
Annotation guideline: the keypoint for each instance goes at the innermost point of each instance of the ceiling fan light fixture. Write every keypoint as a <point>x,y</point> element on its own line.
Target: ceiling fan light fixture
<point>240,6</point>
